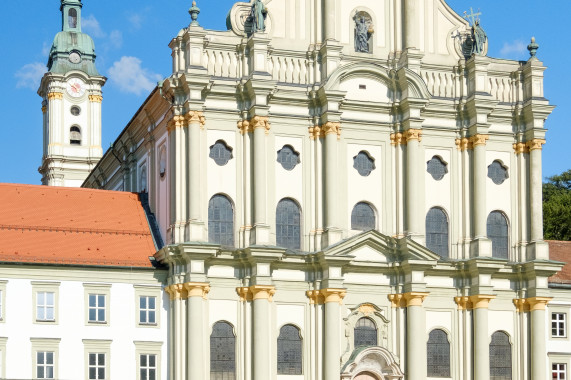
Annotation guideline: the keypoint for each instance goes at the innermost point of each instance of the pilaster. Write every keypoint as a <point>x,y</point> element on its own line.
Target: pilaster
<point>416,335</point>
<point>195,222</point>
<point>480,304</point>
<point>332,299</point>
<point>197,294</point>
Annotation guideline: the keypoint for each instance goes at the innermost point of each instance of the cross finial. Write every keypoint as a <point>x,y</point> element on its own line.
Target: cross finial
<point>472,16</point>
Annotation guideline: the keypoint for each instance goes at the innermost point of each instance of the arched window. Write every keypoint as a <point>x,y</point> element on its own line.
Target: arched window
<point>437,231</point>
<point>500,357</point>
<point>438,354</point>
<point>363,217</point>
<point>288,224</point>
<point>365,332</point>
<point>220,221</point>
<point>75,135</point>
<point>497,230</point>
<point>222,352</point>
<point>72,18</point>
<point>289,351</point>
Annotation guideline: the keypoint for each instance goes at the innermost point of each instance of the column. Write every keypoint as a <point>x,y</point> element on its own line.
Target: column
<point>328,18</point>
<point>261,127</point>
<point>414,211</point>
<point>481,337</point>
<point>178,296</point>
<point>538,351</point>
<point>479,182</point>
<point>197,292</point>
<point>195,120</point>
<point>332,299</point>
<point>535,191</point>
<point>261,342</point>
<point>95,130</point>
<point>176,173</point>
<point>411,22</point>
<point>415,336</point>
<point>332,133</point>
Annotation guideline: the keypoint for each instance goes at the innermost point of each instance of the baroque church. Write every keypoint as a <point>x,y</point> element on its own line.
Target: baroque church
<point>326,190</point>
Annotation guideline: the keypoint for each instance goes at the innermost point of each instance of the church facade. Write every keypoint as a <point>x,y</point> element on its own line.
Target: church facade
<point>346,190</point>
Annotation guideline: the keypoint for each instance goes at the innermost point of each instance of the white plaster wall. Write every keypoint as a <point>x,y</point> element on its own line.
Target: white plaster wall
<point>222,310</point>
<point>498,197</point>
<point>289,183</point>
<point>438,193</point>
<point>365,189</point>
<point>221,179</point>
<point>501,321</point>
<point>374,91</point>
<point>439,319</point>
<point>438,281</point>
<point>290,314</point>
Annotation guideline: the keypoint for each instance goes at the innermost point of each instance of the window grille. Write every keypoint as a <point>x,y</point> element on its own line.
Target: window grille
<point>437,232</point>
<point>147,310</point>
<point>438,354</point>
<point>75,111</point>
<point>45,365</point>
<point>221,153</point>
<point>220,221</point>
<point>288,157</point>
<point>96,366</point>
<point>363,217</point>
<point>436,168</point>
<point>497,172</point>
<point>45,306</point>
<point>289,351</point>
<point>222,352</point>
<point>497,230</point>
<point>288,224</point>
<point>74,135</point>
<point>365,332</point>
<point>96,308</point>
<point>148,367</point>
<point>500,357</point>
<point>559,371</point>
<point>558,325</point>
<point>364,163</point>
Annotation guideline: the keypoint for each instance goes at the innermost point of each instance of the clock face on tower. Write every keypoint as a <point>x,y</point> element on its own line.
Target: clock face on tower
<point>75,87</point>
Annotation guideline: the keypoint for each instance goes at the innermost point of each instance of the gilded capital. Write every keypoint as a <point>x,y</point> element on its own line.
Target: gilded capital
<point>478,140</point>
<point>197,289</point>
<point>538,303</point>
<point>521,304</point>
<point>244,126</point>
<point>481,301</point>
<point>333,295</point>
<point>463,144</point>
<point>315,132</point>
<point>397,300</point>
<point>261,122</point>
<point>178,121</point>
<point>244,293</point>
<point>520,148</point>
<point>397,139</point>
<point>176,292</point>
<point>315,297</point>
<point>415,298</point>
<point>263,292</point>
<point>535,144</point>
<point>44,109</point>
<point>463,303</point>
<point>413,134</point>
<point>195,117</point>
<point>55,95</point>
<point>95,98</point>
<point>332,128</point>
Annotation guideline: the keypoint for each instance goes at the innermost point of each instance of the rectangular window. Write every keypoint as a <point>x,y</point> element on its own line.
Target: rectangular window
<point>97,308</point>
<point>558,325</point>
<point>45,306</point>
<point>559,371</point>
<point>148,367</point>
<point>147,310</point>
<point>96,366</point>
<point>44,365</point>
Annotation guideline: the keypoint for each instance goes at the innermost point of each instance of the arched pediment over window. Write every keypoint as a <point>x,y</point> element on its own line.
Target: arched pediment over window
<point>364,312</point>
<point>376,362</point>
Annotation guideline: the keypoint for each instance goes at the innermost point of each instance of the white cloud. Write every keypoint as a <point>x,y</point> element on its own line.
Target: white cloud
<point>116,39</point>
<point>130,77</point>
<point>515,49</point>
<point>46,49</point>
<point>30,75</point>
<point>136,20</point>
<point>91,26</point>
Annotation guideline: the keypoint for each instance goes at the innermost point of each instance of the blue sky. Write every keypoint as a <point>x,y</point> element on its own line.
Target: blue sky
<point>131,40</point>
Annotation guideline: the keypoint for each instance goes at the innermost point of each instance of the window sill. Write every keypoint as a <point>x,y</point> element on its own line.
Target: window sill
<point>45,320</point>
<point>97,323</point>
<point>148,324</point>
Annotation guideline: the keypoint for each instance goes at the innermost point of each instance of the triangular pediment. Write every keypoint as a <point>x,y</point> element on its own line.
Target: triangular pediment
<point>375,247</point>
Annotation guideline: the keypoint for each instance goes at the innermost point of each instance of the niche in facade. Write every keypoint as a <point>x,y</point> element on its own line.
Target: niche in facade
<point>363,32</point>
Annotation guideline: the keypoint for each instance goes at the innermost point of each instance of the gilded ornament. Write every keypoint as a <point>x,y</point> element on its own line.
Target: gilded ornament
<point>413,134</point>
<point>315,132</point>
<point>521,304</point>
<point>481,301</point>
<point>178,121</point>
<point>397,139</point>
<point>333,295</point>
<point>521,148</point>
<point>261,122</point>
<point>196,117</point>
<point>44,109</point>
<point>332,127</point>
<point>463,303</point>
<point>244,126</point>
<point>397,300</point>
<point>366,309</point>
<point>535,144</point>
<point>55,95</point>
<point>95,98</point>
<point>197,289</point>
<point>538,303</point>
<point>415,298</point>
<point>478,140</point>
<point>463,144</point>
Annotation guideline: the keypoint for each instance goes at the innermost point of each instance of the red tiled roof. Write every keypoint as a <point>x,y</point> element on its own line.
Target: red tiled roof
<point>44,224</point>
<point>561,251</point>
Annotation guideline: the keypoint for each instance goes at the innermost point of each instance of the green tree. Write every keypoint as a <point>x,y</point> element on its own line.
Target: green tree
<point>557,207</point>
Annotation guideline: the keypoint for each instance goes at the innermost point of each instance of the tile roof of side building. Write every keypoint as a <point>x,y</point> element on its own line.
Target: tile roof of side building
<point>561,251</point>
<point>73,226</point>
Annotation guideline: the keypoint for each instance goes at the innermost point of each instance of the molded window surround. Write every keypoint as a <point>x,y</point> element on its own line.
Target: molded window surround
<point>97,289</point>
<point>144,352</point>
<point>559,365</point>
<point>41,347</point>
<point>559,323</point>
<point>95,346</point>
<point>143,307</point>
<point>45,298</point>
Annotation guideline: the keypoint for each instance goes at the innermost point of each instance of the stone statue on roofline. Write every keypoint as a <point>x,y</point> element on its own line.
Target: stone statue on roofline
<point>478,36</point>
<point>258,16</point>
<point>363,32</point>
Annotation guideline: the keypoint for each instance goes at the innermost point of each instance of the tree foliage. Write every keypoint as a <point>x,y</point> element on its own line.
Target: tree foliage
<point>557,207</point>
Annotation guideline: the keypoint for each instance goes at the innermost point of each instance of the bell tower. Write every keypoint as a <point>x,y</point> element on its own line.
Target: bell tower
<point>71,104</point>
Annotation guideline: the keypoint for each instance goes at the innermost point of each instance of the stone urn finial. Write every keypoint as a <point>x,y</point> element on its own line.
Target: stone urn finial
<point>532,47</point>
<point>194,11</point>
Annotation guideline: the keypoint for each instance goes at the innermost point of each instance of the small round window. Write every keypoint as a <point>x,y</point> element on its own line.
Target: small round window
<point>75,111</point>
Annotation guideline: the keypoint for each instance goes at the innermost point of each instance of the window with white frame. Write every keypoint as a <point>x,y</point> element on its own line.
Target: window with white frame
<point>97,308</point>
<point>45,306</point>
<point>147,310</point>
<point>148,366</point>
<point>558,325</point>
<point>45,365</point>
<point>559,371</point>
<point>96,365</point>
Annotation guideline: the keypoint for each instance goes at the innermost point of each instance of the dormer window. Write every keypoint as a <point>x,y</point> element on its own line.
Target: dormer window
<point>72,18</point>
<point>75,135</point>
